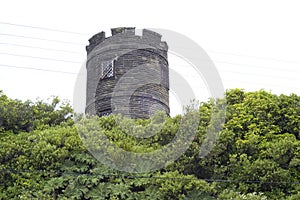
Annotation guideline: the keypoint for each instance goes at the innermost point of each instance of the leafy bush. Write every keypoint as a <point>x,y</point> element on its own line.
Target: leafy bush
<point>257,154</point>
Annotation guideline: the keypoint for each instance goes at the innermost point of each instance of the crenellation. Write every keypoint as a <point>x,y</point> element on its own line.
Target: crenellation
<point>148,34</point>
<point>128,51</point>
<point>95,40</point>
<point>128,30</point>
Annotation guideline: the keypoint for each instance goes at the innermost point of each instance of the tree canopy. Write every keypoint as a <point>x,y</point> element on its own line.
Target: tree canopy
<point>256,155</point>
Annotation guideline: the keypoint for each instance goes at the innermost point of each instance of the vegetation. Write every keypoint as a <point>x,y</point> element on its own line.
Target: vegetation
<point>257,154</point>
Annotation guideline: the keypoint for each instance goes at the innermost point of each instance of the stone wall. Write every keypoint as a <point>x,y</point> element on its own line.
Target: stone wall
<point>136,59</point>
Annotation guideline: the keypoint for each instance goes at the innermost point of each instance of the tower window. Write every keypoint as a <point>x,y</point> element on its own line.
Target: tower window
<point>107,69</point>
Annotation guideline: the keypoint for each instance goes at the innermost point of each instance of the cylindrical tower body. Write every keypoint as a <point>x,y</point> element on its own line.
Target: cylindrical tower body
<point>127,74</point>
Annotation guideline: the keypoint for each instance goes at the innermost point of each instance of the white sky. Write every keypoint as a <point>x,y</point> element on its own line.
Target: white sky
<point>254,44</point>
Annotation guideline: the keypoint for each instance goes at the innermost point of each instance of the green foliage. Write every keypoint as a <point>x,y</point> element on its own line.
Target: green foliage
<point>174,185</point>
<point>257,154</point>
<point>18,116</point>
<point>231,195</point>
<point>255,150</point>
<point>29,159</point>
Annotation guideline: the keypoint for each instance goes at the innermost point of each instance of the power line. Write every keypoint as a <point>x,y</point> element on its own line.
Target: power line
<point>42,48</point>
<point>42,39</point>
<point>73,73</point>
<point>239,64</point>
<point>248,73</point>
<point>58,60</point>
<point>256,66</point>
<point>204,60</point>
<point>41,58</point>
<point>257,57</point>
<point>146,177</point>
<point>42,28</point>
<point>224,62</point>
<point>32,68</point>
<point>243,55</point>
<point>212,51</point>
<point>38,69</point>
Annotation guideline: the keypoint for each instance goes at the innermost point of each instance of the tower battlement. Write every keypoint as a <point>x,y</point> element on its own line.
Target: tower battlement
<point>147,35</point>
<point>126,67</point>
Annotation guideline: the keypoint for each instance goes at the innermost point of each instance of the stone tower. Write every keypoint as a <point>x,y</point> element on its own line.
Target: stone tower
<point>127,74</point>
